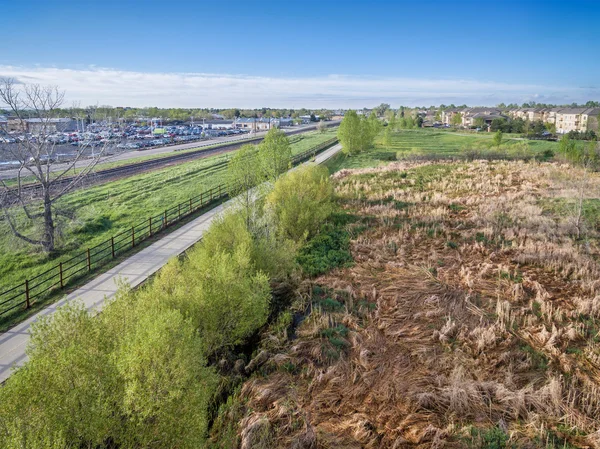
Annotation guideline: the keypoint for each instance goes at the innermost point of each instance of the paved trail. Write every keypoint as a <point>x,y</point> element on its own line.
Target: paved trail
<point>135,270</point>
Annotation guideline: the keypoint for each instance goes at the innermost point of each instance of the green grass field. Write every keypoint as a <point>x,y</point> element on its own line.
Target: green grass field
<point>104,210</point>
<point>433,142</point>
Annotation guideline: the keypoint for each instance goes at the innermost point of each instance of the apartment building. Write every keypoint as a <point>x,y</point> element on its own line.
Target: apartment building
<point>577,119</point>
<point>565,119</point>
<point>470,115</point>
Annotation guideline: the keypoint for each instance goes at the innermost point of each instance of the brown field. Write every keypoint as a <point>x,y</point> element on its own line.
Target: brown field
<point>471,318</point>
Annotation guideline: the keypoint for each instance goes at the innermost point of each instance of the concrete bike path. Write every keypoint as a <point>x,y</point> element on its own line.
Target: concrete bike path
<point>134,271</point>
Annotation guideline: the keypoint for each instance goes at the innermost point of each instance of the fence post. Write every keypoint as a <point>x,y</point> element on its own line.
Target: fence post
<point>112,246</point>
<point>219,190</point>
<point>89,260</point>
<point>201,195</point>
<point>27,294</point>
<point>211,192</point>
<point>150,223</point>
<point>132,236</point>
<point>179,207</point>
<point>190,205</point>
<point>62,285</point>
<point>165,218</point>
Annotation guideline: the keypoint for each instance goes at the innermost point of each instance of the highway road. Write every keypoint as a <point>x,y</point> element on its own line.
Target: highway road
<point>134,270</point>
<point>158,151</point>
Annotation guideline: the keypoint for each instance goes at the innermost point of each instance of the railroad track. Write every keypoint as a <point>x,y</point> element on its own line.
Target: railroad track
<point>32,191</point>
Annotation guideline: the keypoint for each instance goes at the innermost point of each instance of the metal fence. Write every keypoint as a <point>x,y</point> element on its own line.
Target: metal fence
<point>59,276</point>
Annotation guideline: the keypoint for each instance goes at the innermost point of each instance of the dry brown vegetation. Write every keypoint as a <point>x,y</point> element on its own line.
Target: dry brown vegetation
<point>470,319</point>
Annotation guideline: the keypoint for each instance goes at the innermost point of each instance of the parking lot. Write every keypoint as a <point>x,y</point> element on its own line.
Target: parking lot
<point>67,145</point>
<point>113,153</point>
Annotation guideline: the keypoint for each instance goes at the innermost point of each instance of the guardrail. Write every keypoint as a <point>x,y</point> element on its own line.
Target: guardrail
<point>65,273</point>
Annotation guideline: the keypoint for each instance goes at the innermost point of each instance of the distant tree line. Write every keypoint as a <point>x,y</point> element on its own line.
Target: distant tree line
<point>105,113</point>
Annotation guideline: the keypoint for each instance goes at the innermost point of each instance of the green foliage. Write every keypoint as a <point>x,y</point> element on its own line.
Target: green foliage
<point>85,385</point>
<point>580,153</point>
<point>330,249</point>
<point>221,293</point>
<point>330,305</point>
<point>387,138</point>
<point>270,253</point>
<point>167,386</point>
<point>243,169</point>
<point>349,133</point>
<point>67,390</point>
<point>497,140</point>
<point>301,201</point>
<point>491,438</point>
<point>356,133</point>
<point>274,153</point>
<point>244,172</point>
<point>456,119</point>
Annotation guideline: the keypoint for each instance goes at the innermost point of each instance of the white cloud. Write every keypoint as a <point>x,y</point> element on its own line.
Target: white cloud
<point>126,88</point>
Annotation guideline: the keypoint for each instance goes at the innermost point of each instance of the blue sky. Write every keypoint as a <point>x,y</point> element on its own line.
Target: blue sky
<point>309,53</point>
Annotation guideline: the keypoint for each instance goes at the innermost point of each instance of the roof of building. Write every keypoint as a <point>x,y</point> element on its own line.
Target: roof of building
<point>488,116</point>
<point>573,110</point>
<point>48,120</point>
<point>259,120</point>
<point>216,122</point>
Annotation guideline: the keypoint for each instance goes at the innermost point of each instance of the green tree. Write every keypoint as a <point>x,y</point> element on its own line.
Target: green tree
<point>301,201</point>
<point>274,153</point>
<point>167,384</point>
<point>381,109</point>
<point>226,299</point>
<point>349,133</point>
<point>371,128</point>
<point>497,139</point>
<point>456,119</point>
<point>244,172</point>
<point>269,252</point>
<point>387,136</point>
<point>66,394</point>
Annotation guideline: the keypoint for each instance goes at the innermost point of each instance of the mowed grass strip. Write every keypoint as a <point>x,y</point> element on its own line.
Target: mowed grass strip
<point>432,142</point>
<point>91,216</point>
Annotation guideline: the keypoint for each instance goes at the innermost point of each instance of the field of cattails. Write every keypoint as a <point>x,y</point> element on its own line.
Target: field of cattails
<point>470,318</point>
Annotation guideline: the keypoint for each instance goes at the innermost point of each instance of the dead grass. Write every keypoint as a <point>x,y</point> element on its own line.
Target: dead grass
<point>484,314</point>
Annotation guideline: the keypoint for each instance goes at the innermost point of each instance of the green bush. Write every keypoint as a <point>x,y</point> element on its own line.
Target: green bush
<point>330,249</point>
<point>222,294</point>
<point>86,386</point>
<point>270,252</point>
<point>301,201</point>
<point>69,391</point>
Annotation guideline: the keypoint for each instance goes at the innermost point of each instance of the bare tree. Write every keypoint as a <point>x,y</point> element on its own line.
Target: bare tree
<point>35,156</point>
<point>321,126</point>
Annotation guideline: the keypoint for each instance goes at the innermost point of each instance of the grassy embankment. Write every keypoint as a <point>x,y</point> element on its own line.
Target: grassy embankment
<point>469,319</point>
<point>429,142</point>
<point>101,211</point>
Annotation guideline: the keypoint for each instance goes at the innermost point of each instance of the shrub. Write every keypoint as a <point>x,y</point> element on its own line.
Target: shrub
<point>270,253</point>
<point>222,294</point>
<point>67,393</point>
<point>330,249</point>
<point>85,386</point>
<point>167,385</point>
<point>301,201</point>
